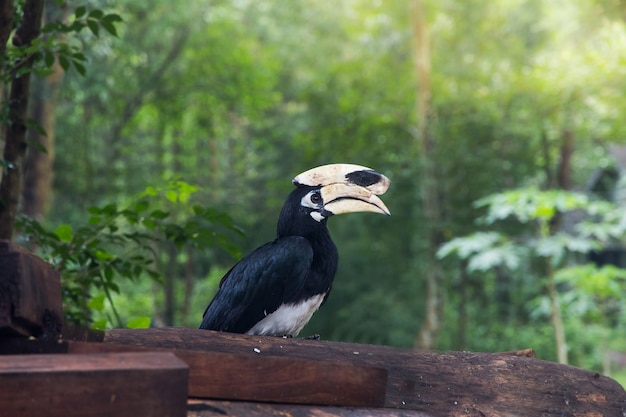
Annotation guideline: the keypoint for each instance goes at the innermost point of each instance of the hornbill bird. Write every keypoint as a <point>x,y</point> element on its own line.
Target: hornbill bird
<point>275,289</point>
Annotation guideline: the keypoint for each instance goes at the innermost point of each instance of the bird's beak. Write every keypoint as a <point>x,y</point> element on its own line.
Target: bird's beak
<point>347,188</point>
<point>346,198</point>
<point>348,174</point>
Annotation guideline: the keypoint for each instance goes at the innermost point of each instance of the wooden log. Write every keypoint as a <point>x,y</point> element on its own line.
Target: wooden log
<point>119,385</point>
<point>22,346</point>
<point>252,376</point>
<point>30,294</point>
<point>83,334</point>
<point>443,384</point>
<point>213,408</point>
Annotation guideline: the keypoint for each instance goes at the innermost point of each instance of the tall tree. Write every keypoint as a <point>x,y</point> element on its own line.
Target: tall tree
<point>15,129</point>
<point>428,182</point>
<point>38,173</point>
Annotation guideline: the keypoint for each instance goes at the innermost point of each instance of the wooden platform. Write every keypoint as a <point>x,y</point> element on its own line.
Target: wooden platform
<point>438,384</point>
<point>49,371</point>
<point>121,385</point>
<point>241,375</point>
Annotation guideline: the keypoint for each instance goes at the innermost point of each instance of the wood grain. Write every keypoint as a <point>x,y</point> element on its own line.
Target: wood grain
<point>444,384</point>
<point>253,376</point>
<point>214,408</point>
<point>120,385</point>
<point>30,294</point>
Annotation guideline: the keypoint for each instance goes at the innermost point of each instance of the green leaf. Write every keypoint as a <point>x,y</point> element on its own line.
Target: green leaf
<point>96,14</point>
<point>151,191</point>
<point>104,256</point>
<point>96,303</point>
<point>78,56</point>
<point>185,190</point>
<point>49,57</point>
<point>159,214</point>
<point>171,195</point>
<point>64,62</point>
<point>32,124</point>
<point>94,27</point>
<point>112,17</point>
<point>139,323</point>
<point>465,247</point>
<point>80,12</point>
<point>141,206</point>
<point>498,256</point>
<point>52,27</point>
<point>76,26</point>
<point>64,232</point>
<point>80,68</point>
<point>99,324</point>
<point>109,209</point>
<point>109,27</point>
<point>108,273</point>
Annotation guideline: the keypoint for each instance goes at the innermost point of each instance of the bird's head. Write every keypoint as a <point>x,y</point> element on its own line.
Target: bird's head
<point>331,189</point>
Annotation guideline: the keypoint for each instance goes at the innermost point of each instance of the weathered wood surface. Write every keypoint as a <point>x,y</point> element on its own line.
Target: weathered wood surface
<point>442,384</point>
<point>254,377</point>
<point>213,408</point>
<point>98,385</point>
<point>30,294</point>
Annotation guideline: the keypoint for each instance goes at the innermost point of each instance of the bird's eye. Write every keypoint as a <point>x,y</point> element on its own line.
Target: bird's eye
<point>316,198</point>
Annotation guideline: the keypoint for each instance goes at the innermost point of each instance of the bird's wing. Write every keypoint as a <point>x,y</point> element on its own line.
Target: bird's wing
<point>257,285</point>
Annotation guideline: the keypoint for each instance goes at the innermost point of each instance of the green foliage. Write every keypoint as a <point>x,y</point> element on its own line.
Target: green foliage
<point>597,222</point>
<point>241,96</point>
<point>53,44</point>
<point>587,290</point>
<point>485,251</point>
<point>119,243</point>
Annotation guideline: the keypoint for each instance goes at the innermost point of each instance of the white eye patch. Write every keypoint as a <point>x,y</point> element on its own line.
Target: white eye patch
<point>312,200</point>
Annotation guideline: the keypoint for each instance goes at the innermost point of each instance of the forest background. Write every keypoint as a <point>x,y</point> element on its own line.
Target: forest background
<point>172,133</point>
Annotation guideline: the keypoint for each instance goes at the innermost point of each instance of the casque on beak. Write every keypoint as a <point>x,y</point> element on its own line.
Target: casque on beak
<point>359,175</point>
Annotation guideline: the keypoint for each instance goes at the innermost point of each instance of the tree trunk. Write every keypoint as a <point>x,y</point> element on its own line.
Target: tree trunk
<point>557,319</point>
<point>38,172</point>
<point>6,24</point>
<point>427,337</point>
<point>462,317</point>
<point>15,138</point>
<point>563,177</point>
<point>547,159</point>
<point>190,281</point>
<point>169,285</point>
<point>564,170</point>
<point>173,270</point>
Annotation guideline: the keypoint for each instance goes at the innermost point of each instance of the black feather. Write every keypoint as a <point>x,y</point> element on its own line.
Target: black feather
<point>299,264</point>
<point>258,284</point>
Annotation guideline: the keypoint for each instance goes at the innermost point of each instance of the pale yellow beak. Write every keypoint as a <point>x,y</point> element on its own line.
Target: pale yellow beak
<point>345,198</point>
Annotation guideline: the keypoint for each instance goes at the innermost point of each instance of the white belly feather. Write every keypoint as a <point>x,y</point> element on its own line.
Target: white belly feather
<point>288,319</point>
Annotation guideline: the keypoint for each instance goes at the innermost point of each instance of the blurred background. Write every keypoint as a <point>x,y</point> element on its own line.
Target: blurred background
<point>455,101</point>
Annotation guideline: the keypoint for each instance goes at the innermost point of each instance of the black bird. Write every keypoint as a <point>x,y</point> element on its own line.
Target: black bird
<point>275,289</point>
